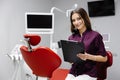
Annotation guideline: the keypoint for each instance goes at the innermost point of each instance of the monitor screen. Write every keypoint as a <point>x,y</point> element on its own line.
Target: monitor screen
<point>101,8</point>
<point>39,22</point>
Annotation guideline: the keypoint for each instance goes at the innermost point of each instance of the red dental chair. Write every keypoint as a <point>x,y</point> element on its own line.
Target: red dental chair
<point>44,62</point>
<point>41,60</point>
<point>60,74</point>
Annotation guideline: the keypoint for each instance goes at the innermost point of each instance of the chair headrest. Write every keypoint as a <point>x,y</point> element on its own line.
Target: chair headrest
<point>34,39</point>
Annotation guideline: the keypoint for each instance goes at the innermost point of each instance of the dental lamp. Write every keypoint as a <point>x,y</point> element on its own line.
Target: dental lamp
<point>53,8</point>
<point>67,12</point>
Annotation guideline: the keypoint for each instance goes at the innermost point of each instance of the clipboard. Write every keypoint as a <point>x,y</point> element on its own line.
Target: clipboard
<point>70,49</point>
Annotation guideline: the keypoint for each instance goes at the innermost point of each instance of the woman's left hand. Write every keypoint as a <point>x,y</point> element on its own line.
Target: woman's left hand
<point>88,56</point>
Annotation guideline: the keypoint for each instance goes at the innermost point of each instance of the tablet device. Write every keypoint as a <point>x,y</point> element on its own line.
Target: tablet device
<point>70,50</point>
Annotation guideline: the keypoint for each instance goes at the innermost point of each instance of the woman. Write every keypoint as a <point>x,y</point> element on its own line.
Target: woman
<point>94,47</point>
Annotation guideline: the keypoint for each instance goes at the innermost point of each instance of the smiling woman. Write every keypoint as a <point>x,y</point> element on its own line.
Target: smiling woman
<point>78,22</point>
<point>94,47</point>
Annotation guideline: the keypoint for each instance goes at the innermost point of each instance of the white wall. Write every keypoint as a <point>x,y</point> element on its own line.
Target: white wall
<point>12,28</point>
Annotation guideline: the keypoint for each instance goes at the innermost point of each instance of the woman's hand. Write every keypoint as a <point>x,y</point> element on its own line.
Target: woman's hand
<point>83,56</point>
<point>97,58</point>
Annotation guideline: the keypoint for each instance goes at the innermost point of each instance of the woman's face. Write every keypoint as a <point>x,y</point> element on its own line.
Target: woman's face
<point>78,21</point>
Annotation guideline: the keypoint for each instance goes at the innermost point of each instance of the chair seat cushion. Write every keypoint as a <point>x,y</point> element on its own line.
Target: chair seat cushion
<point>60,74</point>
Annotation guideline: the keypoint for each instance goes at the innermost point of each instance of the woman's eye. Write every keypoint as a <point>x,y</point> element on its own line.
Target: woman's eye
<point>73,20</point>
<point>79,18</point>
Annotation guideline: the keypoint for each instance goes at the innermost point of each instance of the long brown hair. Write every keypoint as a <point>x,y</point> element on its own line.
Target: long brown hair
<point>85,17</point>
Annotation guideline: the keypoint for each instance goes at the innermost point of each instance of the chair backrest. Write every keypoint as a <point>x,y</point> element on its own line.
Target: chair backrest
<point>42,60</point>
<point>102,67</point>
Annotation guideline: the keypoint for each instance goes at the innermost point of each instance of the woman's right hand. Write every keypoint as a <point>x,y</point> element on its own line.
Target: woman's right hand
<point>83,56</point>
